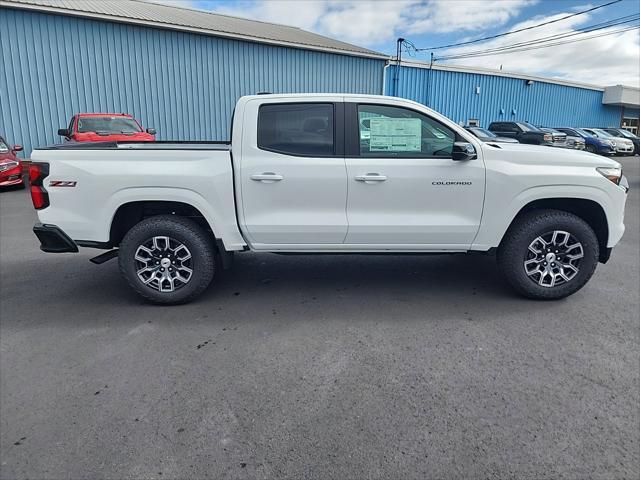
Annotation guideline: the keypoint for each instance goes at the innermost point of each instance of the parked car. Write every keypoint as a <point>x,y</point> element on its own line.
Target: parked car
<point>10,165</point>
<point>571,141</point>
<point>298,177</point>
<point>105,127</point>
<point>622,133</point>
<point>622,146</point>
<point>488,136</point>
<point>593,144</point>
<point>524,132</point>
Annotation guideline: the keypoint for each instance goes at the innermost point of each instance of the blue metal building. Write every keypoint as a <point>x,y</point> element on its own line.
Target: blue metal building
<point>177,70</point>
<point>479,95</point>
<point>181,72</point>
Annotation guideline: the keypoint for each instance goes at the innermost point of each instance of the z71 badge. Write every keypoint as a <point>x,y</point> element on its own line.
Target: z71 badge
<point>62,183</point>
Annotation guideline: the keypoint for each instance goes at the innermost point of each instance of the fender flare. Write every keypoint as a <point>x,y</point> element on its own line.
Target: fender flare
<point>492,232</point>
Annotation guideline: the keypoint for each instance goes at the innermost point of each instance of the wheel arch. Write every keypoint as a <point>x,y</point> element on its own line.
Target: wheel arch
<point>130,213</point>
<point>588,210</point>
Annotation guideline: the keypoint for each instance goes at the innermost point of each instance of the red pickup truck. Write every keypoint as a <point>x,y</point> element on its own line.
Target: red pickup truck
<point>106,127</point>
<point>10,165</point>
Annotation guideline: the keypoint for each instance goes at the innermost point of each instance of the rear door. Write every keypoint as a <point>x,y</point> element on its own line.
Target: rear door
<point>293,175</point>
<point>405,190</point>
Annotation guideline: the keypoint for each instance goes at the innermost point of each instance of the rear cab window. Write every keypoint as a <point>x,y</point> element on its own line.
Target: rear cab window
<point>299,129</point>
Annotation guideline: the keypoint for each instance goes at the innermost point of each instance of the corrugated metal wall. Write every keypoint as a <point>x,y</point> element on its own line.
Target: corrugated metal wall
<point>502,98</point>
<point>184,85</point>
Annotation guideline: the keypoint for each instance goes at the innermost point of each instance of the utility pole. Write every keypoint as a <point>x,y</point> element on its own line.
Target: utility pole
<point>399,43</point>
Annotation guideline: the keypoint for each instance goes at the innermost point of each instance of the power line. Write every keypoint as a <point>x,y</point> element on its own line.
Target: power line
<point>518,30</point>
<point>527,48</point>
<point>588,29</point>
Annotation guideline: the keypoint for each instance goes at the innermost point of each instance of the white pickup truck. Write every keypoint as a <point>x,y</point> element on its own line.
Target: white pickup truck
<point>330,173</point>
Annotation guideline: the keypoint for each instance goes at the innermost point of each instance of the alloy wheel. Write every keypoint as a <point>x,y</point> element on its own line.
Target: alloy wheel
<point>163,264</point>
<point>553,258</point>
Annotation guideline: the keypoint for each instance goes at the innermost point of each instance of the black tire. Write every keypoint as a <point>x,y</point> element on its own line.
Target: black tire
<point>514,251</point>
<point>199,244</point>
<point>590,149</point>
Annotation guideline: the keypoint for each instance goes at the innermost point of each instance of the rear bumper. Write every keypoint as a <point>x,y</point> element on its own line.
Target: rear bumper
<point>53,239</point>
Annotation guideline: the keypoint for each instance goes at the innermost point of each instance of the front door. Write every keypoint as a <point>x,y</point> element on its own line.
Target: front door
<point>404,188</point>
<point>293,176</point>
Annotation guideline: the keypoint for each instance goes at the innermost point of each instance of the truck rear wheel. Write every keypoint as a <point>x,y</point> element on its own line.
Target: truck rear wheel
<point>167,259</point>
<point>548,254</point>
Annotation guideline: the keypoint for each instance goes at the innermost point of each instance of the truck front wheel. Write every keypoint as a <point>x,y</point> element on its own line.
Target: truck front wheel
<point>548,254</point>
<point>167,259</point>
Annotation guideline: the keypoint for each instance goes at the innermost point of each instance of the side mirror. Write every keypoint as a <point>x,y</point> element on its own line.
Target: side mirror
<point>64,132</point>
<point>151,131</point>
<point>17,148</point>
<point>463,151</point>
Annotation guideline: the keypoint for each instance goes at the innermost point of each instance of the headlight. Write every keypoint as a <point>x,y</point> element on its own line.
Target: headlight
<point>611,173</point>
<point>8,165</point>
<point>547,137</point>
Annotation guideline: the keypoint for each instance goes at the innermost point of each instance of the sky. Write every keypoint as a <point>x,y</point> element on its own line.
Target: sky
<point>376,24</point>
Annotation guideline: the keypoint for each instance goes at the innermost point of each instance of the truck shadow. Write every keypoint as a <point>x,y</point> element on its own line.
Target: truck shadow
<point>297,288</point>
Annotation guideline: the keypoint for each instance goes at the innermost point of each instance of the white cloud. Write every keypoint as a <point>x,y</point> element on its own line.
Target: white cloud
<point>607,60</point>
<point>375,22</point>
<point>441,16</point>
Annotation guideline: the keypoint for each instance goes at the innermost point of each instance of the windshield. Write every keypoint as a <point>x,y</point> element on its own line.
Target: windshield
<point>527,127</point>
<point>602,133</point>
<point>627,133</point>
<point>583,133</point>
<point>482,132</point>
<point>108,125</point>
<point>3,146</point>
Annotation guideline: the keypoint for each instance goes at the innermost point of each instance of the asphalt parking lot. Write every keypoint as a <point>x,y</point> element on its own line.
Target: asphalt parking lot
<point>316,367</point>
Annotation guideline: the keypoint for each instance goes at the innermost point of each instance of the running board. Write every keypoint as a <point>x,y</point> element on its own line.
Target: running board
<point>104,257</point>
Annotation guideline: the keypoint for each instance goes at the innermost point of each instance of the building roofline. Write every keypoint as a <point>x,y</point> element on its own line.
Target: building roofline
<point>501,73</point>
<point>62,10</point>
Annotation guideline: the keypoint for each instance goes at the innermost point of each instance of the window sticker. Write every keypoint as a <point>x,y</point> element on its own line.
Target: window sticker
<point>395,135</point>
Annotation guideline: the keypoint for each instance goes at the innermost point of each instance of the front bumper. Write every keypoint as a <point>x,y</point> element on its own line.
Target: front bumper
<point>606,150</point>
<point>625,149</point>
<point>53,239</point>
<point>11,177</point>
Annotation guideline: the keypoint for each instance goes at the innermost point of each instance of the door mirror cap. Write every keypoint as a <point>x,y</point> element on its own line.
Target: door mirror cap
<point>64,132</point>
<point>463,151</point>
<point>151,131</point>
<point>17,148</point>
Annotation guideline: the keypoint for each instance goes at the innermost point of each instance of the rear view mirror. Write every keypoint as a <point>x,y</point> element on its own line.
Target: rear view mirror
<point>64,132</point>
<point>151,131</point>
<point>463,151</point>
<point>17,148</point>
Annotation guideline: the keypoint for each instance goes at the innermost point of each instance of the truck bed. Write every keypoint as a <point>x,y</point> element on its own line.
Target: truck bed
<point>92,181</point>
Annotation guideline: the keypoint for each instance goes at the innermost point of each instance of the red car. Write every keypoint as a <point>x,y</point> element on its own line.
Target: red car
<point>106,127</point>
<point>10,165</point>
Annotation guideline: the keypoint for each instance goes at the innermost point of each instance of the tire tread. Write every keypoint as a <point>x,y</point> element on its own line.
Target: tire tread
<point>189,228</point>
<point>522,230</point>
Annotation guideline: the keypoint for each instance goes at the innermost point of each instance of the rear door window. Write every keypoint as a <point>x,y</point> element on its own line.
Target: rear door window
<point>300,129</point>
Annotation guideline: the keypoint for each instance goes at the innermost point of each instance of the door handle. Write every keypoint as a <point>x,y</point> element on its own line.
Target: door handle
<point>371,177</point>
<point>266,177</point>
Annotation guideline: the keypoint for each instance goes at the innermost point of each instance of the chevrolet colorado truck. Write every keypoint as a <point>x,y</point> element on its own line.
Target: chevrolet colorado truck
<point>307,174</point>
